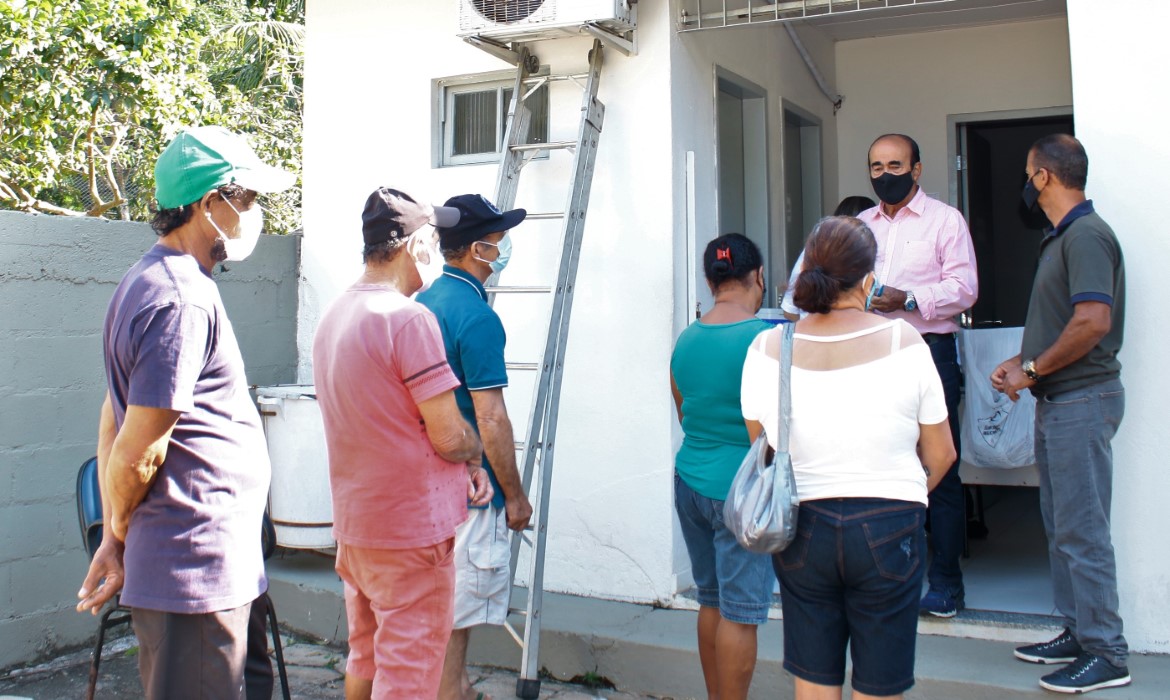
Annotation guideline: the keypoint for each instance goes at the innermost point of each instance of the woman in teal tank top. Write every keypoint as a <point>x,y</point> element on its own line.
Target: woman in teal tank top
<point>734,585</point>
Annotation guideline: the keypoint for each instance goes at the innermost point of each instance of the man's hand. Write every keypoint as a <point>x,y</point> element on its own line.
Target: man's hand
<point>1009,378</point>
<point>891,300</point>
<point>479,486</point>
<point>518,511</point>
<point>105,577</point>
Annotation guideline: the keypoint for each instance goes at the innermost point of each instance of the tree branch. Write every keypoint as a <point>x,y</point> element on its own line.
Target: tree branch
<point>91,164</point>
<point>26,202</point>
<point>99,206</point>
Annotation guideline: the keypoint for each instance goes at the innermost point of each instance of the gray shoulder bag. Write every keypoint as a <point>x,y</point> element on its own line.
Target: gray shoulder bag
<point>762,506</point>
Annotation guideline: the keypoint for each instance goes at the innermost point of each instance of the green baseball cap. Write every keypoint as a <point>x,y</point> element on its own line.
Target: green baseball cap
<point>203,158</point>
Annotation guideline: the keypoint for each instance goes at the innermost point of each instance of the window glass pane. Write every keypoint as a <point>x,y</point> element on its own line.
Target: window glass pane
<point>538,103</point>
<point>474,128</point>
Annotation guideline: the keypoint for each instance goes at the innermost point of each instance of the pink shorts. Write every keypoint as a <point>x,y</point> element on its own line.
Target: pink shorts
<point>399,604</point>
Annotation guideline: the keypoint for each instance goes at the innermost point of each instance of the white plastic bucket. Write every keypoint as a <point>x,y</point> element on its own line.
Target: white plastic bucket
<point>300,502</point>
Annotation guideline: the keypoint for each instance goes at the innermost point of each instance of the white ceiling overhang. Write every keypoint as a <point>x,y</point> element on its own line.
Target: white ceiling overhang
<point>843,20</point>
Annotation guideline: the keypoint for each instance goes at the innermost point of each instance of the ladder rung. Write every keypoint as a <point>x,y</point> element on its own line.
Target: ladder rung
<point>518,611</point>
<point>522,365</point>
<point>555,78</point>
<point>545,215</point>
<point>518,290</point>
<point>550,146</point>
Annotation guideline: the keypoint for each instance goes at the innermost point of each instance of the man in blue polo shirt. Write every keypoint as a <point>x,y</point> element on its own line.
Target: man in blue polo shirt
<point>1068,360</point>
<point>475,247</point>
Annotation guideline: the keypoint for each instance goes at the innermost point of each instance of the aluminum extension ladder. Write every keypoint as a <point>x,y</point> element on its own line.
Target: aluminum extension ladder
<point>536,451</point>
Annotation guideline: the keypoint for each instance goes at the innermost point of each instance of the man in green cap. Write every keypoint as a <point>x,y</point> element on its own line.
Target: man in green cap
<point>182,461</point>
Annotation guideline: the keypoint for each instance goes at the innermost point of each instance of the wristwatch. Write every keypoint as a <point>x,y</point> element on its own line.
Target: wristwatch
<point>1029,367</point>
<point>911,302</point>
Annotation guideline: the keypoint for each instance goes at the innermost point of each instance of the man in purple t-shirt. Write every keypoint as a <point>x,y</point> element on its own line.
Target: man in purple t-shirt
<point>182,461</point>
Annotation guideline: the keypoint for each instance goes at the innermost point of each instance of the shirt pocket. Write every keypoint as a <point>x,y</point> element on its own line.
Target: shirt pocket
<point>919,255</point>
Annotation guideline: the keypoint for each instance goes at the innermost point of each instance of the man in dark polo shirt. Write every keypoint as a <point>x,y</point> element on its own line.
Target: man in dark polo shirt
<point>1069,362</point>
<point>473,336</point>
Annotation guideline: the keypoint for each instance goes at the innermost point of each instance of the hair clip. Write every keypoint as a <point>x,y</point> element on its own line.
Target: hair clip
<point>723,254</point>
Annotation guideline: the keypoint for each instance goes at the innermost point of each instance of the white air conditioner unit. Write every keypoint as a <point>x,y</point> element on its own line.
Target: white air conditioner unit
<point>506,20</point>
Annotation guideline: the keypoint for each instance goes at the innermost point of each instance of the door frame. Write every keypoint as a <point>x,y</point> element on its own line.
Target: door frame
<point>956,144</point>
<point>757,155</point>
<point>814,199</point>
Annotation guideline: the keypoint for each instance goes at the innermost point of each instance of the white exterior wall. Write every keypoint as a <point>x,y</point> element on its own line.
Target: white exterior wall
<point>368,123</point>
<point>910,83</point>
<point>1118,50</point>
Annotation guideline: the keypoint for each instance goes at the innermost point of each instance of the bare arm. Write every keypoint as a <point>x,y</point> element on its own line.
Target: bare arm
<point>450,435</point>
<point>106,575</point>
<point>677,398</point>
<point>1090,323</point>
<point>495,428</point>
<point>107,431</point>
<point>135,457</point>
<point>936,449</point>
<point>754,429</point>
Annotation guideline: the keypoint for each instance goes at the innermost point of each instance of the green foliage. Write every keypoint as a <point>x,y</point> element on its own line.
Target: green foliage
<point>91,91</point>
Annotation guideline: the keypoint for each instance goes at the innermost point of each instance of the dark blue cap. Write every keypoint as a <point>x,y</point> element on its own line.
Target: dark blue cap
<point>477,218</point>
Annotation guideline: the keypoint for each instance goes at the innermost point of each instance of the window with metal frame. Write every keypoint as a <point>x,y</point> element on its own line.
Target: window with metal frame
<point>473,114</point>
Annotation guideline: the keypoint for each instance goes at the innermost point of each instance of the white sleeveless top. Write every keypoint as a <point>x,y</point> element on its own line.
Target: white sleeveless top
<point>854,430</point>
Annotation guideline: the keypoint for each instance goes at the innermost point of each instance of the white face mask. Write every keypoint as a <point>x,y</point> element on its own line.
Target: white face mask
<point>424,248</point>
<point>250,226</point>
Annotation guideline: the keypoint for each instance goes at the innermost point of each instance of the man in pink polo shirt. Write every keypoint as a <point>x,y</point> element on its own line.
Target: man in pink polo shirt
<point>926,260</point>
<point>403,463</point>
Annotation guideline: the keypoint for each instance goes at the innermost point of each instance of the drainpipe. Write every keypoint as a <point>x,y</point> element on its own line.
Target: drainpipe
<point>812,68</point>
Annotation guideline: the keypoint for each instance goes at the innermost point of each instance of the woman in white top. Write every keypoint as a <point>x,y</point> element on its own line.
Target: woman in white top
<point>869,438</point>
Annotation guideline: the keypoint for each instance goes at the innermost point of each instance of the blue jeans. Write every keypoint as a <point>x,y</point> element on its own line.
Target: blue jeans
<point>948,505</point>
<point>1075,460</point>
<point>727,576</point>
<point>852,578</point>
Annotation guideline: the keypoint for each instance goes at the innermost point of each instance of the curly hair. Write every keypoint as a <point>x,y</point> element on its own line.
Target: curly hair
<point>165,221</point>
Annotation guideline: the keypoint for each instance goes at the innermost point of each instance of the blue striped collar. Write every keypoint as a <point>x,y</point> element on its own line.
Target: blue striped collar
<point>467,277</point>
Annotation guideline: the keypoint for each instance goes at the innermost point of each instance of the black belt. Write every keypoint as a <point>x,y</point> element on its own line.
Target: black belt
<point>932,338</point>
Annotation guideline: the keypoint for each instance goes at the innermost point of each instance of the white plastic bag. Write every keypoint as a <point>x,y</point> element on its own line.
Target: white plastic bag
<point>995,431</point>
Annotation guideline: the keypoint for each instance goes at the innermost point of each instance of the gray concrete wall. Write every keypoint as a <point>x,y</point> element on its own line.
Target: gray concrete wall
<point>56,279</point>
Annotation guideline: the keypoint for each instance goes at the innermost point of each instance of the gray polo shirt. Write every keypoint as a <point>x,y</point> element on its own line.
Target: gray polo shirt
<point>1080,260</point>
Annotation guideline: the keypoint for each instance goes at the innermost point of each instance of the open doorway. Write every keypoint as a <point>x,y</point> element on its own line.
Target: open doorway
<point>741,126</point>
<point>992,153</point>
<point>802,178</point>
<point>1007,570</point>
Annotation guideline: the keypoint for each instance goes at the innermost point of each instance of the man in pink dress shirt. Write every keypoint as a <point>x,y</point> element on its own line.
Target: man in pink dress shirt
<point>926,260</point>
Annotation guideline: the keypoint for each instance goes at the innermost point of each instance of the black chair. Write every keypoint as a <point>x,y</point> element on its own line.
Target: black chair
<point>89,517</point>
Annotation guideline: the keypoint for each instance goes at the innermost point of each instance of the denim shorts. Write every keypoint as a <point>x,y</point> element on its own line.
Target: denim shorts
<point>727,576</point>
<point>852,578</point>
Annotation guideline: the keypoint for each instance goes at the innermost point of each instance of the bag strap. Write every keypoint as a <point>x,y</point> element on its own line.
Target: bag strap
<point>785,414</point>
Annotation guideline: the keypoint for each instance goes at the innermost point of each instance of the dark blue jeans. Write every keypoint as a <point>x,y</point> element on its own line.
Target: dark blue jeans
<point>851,579</point>
<point>948,505</point>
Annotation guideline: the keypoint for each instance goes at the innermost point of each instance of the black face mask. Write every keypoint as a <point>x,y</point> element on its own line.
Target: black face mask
<point>892,189</point>
<point>1031,197</point>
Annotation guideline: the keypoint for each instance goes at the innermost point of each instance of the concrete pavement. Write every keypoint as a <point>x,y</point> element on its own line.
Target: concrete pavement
<point>315,672</point>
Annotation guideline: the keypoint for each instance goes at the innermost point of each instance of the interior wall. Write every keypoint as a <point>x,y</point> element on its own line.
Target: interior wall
<point>909,84</point>
<point>765,56</point>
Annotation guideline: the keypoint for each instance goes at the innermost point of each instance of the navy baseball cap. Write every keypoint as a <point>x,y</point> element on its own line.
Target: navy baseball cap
<point>477,218</point>
<point>393,214</point>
